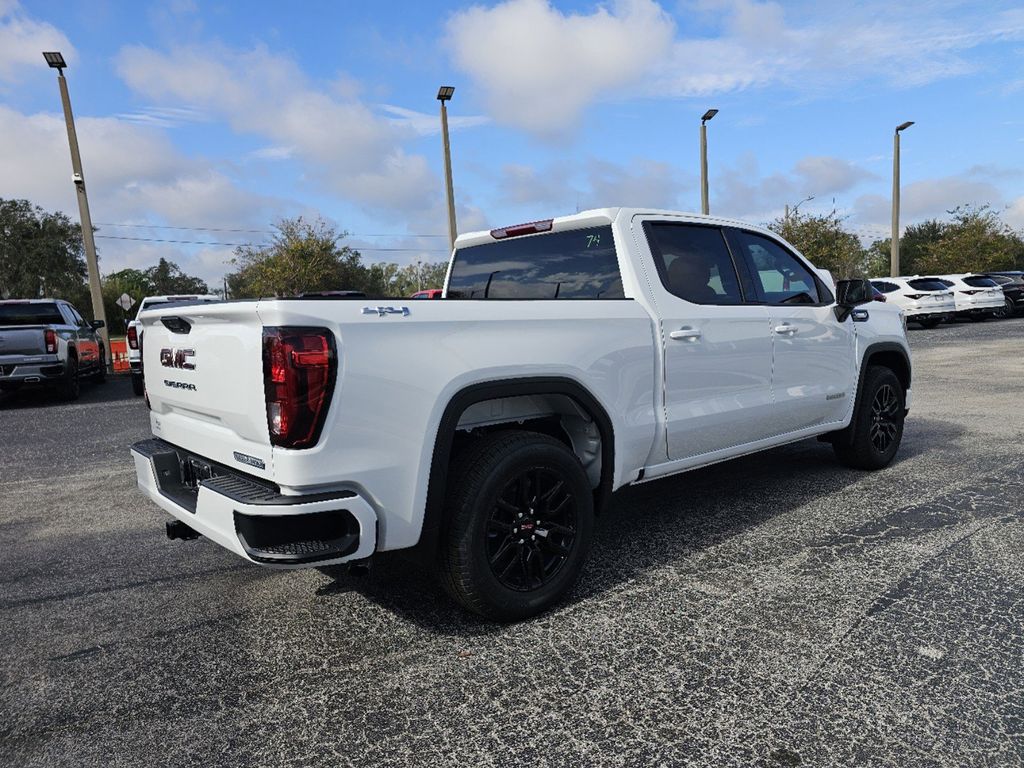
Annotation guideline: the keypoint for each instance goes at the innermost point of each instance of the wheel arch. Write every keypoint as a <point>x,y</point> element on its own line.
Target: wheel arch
<point>888,354</point>
<point>434,513</point>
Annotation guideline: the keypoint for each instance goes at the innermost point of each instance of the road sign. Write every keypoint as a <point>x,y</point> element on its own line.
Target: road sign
<point>125,302</point>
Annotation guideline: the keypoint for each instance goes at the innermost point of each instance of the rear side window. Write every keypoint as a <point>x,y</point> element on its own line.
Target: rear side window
<point>30,314</point>
<point>885,287</point>
<point>927,284</point>
<point>694,262</point>
<point>577,264</point>
<point>779,276</point>
<point>977,281</point>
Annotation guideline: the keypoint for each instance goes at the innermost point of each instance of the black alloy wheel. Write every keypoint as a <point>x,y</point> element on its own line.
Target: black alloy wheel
<point>884,424</point>
<point>520,517</point>
<point>531,530</point>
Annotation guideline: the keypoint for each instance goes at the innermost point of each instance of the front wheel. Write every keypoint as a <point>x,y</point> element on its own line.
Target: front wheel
<point>100,375</point>
<point>521,520</point>
<point>877,426</point>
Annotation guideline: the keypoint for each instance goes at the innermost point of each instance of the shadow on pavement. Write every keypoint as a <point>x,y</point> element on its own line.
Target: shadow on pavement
<point>114,388</point>
<point>665,522</point>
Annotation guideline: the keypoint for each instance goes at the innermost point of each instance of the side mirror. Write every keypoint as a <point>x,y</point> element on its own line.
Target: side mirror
<point>850,294</point>
<point>96,324</point>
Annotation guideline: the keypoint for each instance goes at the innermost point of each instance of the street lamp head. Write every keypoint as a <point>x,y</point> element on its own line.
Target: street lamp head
<point>54,59</point>
<point>708,115</point>
<point>904,126</point>
<point>444,93</point>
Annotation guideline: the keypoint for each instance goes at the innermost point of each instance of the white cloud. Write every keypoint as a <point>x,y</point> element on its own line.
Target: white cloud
<point>539,68</point>
<point>22,41</point>
<point>345,147</point>
<point>134,175</point>
<point>424,124</point>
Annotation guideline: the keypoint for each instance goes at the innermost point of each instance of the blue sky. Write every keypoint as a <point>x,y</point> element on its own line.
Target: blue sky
<point>195,117</point>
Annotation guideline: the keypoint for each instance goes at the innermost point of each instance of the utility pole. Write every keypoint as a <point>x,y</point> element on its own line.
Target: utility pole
<point>704,203</point>
<point>894,254</point>
<point>56,61</point>
<point>444,94</point>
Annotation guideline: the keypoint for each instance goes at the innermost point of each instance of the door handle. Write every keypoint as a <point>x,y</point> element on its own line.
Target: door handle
<point>785,328</point>
<point>686,334</point>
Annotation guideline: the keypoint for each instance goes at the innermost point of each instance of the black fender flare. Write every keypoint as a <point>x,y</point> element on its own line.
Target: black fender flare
<point>437,485</point>
<point>877,350</point>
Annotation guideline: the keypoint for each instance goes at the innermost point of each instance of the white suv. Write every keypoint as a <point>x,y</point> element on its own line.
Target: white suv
<point>977,296</point>
<point>926,301</point>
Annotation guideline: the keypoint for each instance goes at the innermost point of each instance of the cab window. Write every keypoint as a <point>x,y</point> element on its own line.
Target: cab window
<point>779,276</point>
<point>693,262</point>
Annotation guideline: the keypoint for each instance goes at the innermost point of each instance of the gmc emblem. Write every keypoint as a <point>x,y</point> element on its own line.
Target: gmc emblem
<point>178,358</point>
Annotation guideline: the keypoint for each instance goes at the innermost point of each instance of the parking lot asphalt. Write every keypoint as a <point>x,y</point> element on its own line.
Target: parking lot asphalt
<point>777,610</point>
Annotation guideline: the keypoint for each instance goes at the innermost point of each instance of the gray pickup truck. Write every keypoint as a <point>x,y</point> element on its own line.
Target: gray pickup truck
<point>47,342</point>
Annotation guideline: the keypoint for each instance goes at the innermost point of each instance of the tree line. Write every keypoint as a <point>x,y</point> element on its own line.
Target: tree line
<point>973,239</point>
<point>42,255</point>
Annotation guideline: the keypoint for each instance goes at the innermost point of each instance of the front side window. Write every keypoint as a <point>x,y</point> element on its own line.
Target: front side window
<point>574,264</point>
<point>779,277</point>
<point>694,262</point>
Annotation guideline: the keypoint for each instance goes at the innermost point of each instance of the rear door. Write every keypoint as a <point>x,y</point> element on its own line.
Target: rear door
<point>813,372</point>
<point>717,346</point>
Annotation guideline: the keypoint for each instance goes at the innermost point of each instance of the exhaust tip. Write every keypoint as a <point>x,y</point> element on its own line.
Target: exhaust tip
<point>178,530</point>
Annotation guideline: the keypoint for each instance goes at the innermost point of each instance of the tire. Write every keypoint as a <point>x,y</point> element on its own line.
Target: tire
<point>930,322</point>
<point>521,518</point>
<point>69,388</point>
<point>978,317</point>
<point>138,385</point>
<point>100,375</point>
<point>9,387</point>
<point>877,426</point>
<point>1005,312</point>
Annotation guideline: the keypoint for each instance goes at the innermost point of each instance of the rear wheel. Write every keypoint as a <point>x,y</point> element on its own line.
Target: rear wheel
<point>69,387</point>
<point>1005,311</point>
<point>929,322</point>
<point>521,519</point>
<point>100,375</point>
<point>138,384</point>
<point>877,426</point>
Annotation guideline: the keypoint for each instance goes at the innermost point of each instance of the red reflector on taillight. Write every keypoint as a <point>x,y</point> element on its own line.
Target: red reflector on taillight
<point>523,229</point>
<point>299,368</point>
<point>50,340</point>
<point>133,337</point>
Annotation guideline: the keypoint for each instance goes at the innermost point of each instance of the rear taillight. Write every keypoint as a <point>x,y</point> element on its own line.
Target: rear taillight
<point>133,337</point>
<point>299,368</point>
<point>50,340</point>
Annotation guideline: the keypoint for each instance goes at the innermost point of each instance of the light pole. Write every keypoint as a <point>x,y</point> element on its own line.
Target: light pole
<point>56,61</point>
<point>704,207</point>
<point>444,93</point>
<point>894,257</point>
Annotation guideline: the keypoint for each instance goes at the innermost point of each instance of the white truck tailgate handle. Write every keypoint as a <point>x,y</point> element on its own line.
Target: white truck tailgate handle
<point>686,334</point>
<point>785,328</point>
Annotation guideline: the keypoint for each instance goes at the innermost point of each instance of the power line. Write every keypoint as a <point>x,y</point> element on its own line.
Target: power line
<point>248,231</point>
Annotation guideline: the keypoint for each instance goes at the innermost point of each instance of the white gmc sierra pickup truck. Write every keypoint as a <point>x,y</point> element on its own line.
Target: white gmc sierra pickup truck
<point>568,358</point>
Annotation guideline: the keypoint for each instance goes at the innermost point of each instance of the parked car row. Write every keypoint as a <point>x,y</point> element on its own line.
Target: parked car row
<point>928,300</point>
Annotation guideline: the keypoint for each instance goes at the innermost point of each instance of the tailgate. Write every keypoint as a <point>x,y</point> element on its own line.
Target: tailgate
<point>203,366</point>
<point>22,340</point>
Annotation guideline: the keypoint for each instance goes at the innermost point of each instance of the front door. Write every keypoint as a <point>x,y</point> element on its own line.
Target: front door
<point>813,372</point>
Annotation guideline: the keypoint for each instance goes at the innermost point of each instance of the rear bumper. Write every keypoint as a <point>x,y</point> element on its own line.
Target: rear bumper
<point>36,369</point>
<point>251,518</point>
